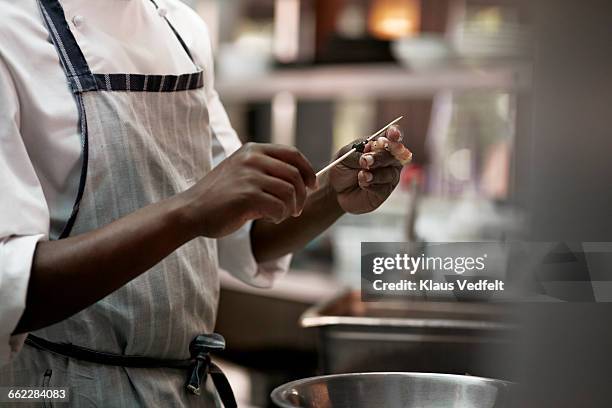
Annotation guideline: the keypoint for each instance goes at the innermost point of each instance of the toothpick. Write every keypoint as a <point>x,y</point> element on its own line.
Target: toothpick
<point>347,154</point>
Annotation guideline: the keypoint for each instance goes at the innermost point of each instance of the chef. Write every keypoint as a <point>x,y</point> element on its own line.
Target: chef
<point>124,189</point>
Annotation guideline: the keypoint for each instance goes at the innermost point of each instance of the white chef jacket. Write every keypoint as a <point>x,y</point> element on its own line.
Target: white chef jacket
<point>40,146</point>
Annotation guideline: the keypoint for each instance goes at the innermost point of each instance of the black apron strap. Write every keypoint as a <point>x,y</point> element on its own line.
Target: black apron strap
<point>223,386</point>
<point>71,56</point>
<point>178,36</point>
<point>100,357</point>
<point>80,79</point>
<point>199,365</point>
<point>73,61</point>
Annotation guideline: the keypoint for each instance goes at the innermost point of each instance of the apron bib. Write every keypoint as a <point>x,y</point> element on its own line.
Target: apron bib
<point>145,138</point>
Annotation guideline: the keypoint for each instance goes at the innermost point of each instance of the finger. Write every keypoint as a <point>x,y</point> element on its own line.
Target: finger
<point>294,157</point>
<point>379,144</point>
<point>375,160</point>
<point>283,191</point>
<point>394,134</point>
<point>286,172</point>
<point>364,179</point>
<point>380,190</point>
<point>269,207</point>
<point>385,175</point>
<point>352,161</point>
<point>400,152</point>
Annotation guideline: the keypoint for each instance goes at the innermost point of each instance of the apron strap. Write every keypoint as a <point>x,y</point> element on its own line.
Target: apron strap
<point>71,57</point>
<point>223,386</point>
<point>80,79</point>
<point>178,36</point>
<point>103,358</point>
<point>199,365</point>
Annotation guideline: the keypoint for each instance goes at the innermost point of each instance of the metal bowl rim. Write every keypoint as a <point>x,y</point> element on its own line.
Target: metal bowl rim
<point>276,393</point>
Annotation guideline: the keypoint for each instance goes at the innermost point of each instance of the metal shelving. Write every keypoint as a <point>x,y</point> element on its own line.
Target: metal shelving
<point>373,81</point>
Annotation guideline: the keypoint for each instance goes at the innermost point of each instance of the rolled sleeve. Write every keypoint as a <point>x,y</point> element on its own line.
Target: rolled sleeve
<point>16,256</point>
<point>236,257</point>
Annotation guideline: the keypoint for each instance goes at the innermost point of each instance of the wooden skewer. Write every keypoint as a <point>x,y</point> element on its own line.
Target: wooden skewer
<point>347,154</point>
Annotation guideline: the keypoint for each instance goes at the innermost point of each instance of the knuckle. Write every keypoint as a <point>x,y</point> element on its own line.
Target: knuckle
<point>246,149</point>
<point>252,147</point>
<point>244,198</point>
<point>288,191</point>
<point>250,195</point>
<point>383,175</point>
<point>279,211</point>
<point>389,175</point>
<point>249,158</point>
<point>297,155</point>
<point>295,175</point>
<point>384,155</point>
<point>251,178</point>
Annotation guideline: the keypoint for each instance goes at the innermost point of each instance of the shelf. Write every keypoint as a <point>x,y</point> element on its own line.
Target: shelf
<point>372,81</point>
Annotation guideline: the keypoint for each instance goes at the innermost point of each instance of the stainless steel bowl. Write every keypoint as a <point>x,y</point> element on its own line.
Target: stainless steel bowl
<point>394,390</point>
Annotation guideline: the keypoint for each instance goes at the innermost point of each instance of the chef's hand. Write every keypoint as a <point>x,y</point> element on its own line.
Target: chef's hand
<point>259,181</point>
<point>363,182</point>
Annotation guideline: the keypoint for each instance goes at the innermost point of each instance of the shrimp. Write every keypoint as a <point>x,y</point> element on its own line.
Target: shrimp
<point>379,144</point>
<point>393,146</point>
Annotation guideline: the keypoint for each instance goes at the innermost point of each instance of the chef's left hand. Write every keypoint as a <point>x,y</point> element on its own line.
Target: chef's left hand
<point>363,182</point>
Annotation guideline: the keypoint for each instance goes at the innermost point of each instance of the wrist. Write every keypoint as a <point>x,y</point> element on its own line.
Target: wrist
<point>330,196</point>
<point>181,212</point>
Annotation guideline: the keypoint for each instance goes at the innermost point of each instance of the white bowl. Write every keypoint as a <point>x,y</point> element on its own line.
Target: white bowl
<point>424,52</point>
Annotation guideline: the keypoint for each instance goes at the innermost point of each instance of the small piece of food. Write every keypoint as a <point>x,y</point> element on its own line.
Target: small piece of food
<point>395,147</point>
<point>400,152</point>
<point>379,144</point>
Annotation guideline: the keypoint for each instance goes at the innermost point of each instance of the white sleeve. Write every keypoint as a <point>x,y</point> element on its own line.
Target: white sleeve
<point>235,251</point>
<point>24,217</point>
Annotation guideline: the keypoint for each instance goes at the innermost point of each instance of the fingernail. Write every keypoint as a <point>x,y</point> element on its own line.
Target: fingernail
<point>394,133</point>
<point>396,128</point>
<point>369,159</point>
<point>368,176</point>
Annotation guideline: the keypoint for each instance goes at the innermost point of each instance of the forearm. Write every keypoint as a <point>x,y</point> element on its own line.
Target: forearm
<point>271,241</point>
<point>71,274</point>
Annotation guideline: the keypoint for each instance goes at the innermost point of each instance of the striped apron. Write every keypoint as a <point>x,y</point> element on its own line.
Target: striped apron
<point>145,138</point>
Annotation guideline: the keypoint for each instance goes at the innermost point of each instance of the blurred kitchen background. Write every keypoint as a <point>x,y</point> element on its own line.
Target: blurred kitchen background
<point>319,74</point>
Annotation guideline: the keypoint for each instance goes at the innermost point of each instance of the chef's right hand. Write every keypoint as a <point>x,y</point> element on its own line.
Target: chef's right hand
<point>259,181</point>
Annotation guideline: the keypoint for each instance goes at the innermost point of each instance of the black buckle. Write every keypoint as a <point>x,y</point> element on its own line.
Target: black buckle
<point>200,349</point>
